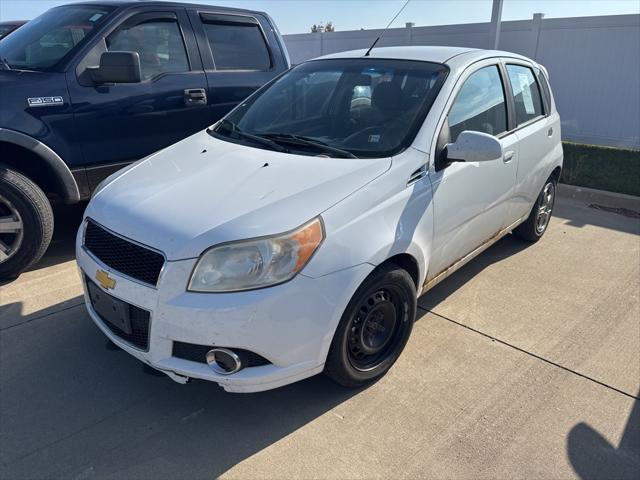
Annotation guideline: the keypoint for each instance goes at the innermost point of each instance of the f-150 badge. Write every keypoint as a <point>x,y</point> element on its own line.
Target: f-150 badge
<point>45,101</point>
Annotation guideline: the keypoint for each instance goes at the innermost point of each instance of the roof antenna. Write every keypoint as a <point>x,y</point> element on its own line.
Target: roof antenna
<point>386,28</point>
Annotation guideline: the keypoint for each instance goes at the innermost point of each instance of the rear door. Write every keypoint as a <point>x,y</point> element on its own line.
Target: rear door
<point>120,123</point>
<point>537,130</point>
<point>240,53</point>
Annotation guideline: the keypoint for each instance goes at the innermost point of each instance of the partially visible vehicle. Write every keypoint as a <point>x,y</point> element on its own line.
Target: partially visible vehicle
<point>88,88</point>
<point>294,236</point>
<point>8,27</point>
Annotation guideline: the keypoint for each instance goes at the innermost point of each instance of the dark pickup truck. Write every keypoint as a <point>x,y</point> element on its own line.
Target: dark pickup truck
<point>86,89</point>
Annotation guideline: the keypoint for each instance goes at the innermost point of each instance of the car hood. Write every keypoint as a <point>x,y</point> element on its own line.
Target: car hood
<point>203,191</point>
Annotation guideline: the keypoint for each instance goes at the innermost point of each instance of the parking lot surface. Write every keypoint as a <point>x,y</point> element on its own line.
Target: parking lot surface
<point>524,364</point>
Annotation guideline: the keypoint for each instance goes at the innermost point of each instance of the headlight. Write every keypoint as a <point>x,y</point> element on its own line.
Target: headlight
<point>256,263</point>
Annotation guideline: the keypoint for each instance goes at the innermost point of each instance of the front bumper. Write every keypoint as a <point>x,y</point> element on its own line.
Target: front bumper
<point>291,325</point>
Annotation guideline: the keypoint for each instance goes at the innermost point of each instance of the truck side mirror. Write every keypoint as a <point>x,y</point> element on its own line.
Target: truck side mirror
<point>117,67</point>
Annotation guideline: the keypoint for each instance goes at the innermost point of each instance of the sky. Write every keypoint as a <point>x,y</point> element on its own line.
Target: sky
<point>297,16</point>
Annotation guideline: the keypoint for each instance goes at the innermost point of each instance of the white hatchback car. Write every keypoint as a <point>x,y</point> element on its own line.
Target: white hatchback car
<point>295,235</point>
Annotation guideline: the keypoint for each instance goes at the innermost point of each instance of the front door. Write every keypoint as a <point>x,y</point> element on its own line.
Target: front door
<point>472,199</point>
<point>124,122</point>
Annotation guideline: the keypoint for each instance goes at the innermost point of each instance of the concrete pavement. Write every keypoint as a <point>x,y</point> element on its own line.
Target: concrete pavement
<point>524,364</point>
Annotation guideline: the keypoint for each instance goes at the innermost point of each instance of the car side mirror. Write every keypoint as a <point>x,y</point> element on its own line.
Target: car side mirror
<point>117,67</point>
<point>473,146</point>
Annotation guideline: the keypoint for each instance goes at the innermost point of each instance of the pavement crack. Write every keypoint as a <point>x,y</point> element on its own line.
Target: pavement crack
<point>33,319</point>
<point>531,354</point>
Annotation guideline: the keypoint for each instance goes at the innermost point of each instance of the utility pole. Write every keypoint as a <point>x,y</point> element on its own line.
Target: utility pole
<point>496,18</point>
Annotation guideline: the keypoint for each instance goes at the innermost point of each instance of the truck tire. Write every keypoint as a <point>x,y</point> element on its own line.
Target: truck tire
<point>26,223</point>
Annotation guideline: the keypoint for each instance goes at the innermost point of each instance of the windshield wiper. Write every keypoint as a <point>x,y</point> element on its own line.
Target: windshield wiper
<point>233,129</point>
<point>5,64</point>
<point>292,139</point>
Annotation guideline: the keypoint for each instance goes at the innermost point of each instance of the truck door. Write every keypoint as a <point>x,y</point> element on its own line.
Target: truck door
<point>240,53</point>
<point>120,123</point>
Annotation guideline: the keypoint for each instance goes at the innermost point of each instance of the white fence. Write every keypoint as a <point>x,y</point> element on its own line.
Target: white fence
<point>593,64</point>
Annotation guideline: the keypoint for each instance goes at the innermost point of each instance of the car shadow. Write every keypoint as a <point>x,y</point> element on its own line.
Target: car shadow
<point>593,457</point>
<point>506,247</point>
<point>580,214</point>
<point>66,389</point>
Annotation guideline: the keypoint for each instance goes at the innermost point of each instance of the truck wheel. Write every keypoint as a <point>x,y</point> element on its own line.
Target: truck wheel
<point>374,328</point>
<point>26,223</point>
<point>534,227</point>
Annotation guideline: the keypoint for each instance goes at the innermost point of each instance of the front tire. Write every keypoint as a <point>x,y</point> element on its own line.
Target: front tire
<point>374,328</point>
<point>536,224</point>
<point>26,223</point>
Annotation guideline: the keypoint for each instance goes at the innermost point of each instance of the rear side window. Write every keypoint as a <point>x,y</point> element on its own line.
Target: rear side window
<point>480,105</point>
<point>236,45</point>
<point>526,94</point>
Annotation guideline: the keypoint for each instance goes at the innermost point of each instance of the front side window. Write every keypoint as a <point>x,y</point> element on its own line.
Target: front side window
<point>158,41</point>
<point>340,107</point>
<point>480,105</point>
<point>237,46</point>
<point>526,94</point>
<point>47,39</point>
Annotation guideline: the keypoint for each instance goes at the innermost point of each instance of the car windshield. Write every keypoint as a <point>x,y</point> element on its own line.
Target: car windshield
<point>359,107</point>
<point>47,39</point>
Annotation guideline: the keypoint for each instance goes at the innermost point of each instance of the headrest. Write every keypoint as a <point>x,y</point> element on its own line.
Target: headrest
<point>387,97</point>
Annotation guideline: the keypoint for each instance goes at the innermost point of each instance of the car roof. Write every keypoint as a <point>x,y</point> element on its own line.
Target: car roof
<point>436,54</point>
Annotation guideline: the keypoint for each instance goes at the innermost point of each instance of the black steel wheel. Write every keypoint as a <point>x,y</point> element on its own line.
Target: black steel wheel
<point>374,328</point>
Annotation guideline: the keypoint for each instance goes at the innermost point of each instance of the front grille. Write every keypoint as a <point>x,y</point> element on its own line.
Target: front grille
<point>139,318</point>
<point>198,353</point>
<point>122,255</point>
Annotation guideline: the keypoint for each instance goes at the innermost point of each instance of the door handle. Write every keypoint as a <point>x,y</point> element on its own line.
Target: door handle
<point>550,132</point>
<point>508,156</point>
<point>195,96</point>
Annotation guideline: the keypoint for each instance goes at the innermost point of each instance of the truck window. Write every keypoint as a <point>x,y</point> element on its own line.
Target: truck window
<point>158,41</point>
<point>47,39</point>
<point>526,94</point>
<point>236,45</point>
<point>480,105</point>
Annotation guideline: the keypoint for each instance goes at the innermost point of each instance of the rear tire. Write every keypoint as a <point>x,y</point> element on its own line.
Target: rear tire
<point>374,328</point>
<point>538,221</point>
<point>26,223</point>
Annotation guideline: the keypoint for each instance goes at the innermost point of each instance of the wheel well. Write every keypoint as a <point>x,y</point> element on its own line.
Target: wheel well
<point>556,173</point>
<point>32,166</point>
<point>408,263</point>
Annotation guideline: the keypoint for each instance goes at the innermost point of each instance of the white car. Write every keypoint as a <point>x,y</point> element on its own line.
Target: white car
<point>295,235</point>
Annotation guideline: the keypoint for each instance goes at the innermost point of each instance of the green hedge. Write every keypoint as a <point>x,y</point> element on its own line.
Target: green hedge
<point>604,168</point>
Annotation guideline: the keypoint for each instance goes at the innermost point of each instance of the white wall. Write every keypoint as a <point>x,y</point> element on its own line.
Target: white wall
<point>593,64</point>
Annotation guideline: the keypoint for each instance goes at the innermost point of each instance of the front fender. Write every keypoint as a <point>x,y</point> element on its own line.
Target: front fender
<point>52,159</point>
<point>382,220</point>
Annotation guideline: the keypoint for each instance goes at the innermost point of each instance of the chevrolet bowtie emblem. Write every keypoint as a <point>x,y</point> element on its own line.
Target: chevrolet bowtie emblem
<point>105,280</point>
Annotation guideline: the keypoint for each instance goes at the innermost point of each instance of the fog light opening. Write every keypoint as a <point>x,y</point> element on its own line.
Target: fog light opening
<point>224,361</point>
